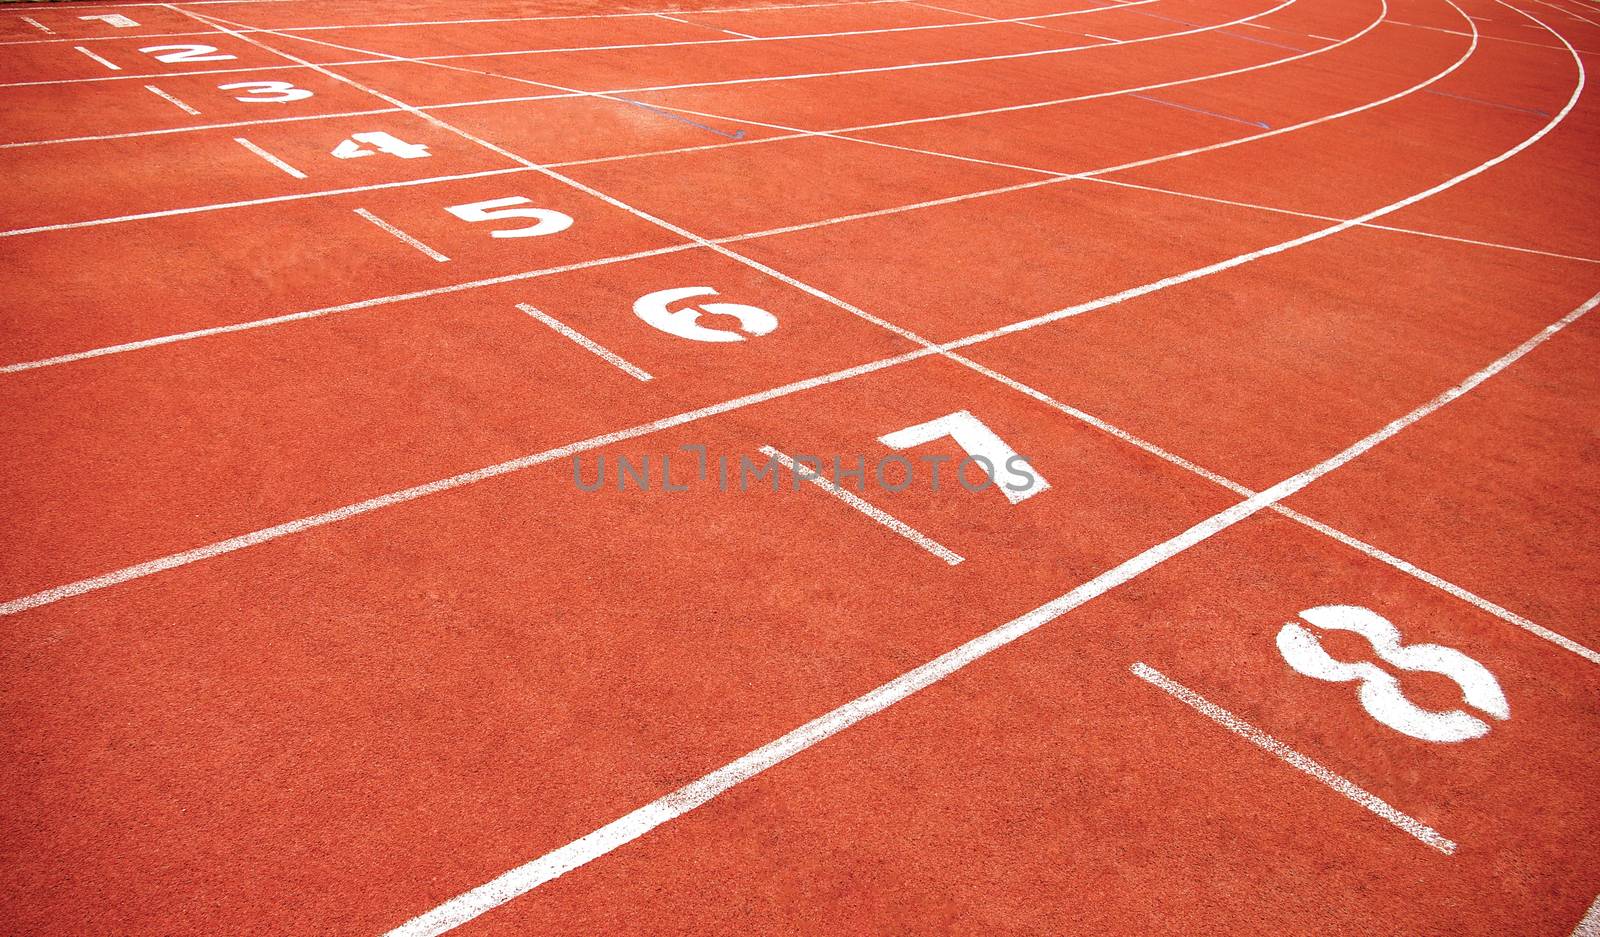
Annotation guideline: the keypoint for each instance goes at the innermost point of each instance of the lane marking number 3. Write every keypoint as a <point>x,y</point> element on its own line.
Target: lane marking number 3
<point>1379,691</point>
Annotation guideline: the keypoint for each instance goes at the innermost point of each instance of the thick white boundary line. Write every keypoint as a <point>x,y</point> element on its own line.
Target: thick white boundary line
<point>401,236</point>
<point>619,832</point>
<point>865,507</point>
<point>587,343</point>
<point>1294,759</point>
<point>269,157</point>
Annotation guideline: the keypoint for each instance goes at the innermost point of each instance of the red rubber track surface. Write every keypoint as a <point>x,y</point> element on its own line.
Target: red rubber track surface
<point>311,628</point>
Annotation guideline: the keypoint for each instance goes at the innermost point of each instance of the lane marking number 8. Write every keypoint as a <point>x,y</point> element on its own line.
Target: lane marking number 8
<point>1379,691</point>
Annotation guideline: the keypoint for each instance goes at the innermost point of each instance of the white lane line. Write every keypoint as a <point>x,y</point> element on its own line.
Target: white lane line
<point>1590,925</point>
<point>458,22</point>
<point>637,45</point>
<point>1504,614</point>
<point>401,235</point>
<point>333,310</point>
<point>111,65</point>
<point>1053,178</point>
<point>1376,227</point>
<point>1294,759</point>
<point>385,57</point>
<point>36,25</point>
<point>269,157</point>
<point>795,134</point>
<point>976,16</point>
<point>865,507</point>
<point>269,200</point>
<point>171,100</point>
<point>1360,546</point>
<point>524,878</point>
<point>180,559</point>
<point>61,359</point>
<point>265,535</point>
<point>586,342</point>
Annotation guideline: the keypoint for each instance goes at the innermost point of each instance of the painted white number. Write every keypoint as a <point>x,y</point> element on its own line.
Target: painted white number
<point>114,19</point>
<point>1379,690</point>
<point>981,445</point>
<point>685,323</point>
<point>276,92</point>
<point>381,143</point>
<point>187,53</point>
<point>547,220</point>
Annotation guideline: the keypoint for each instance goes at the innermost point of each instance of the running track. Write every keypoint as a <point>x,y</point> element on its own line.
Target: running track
<point>312,632</point>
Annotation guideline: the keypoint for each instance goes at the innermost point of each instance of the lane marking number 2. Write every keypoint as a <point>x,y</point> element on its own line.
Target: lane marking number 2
<point>187,53</point>
<point>1379,691</point>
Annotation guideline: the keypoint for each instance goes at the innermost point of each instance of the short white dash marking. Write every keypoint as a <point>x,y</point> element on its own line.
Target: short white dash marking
<point>111,65</point>
<point>36,24</point>
<point>174,101</point>
<point>401,235</point>
<point>585,341</point>
<point>269,157</point>
<point>1590,925</point>
<point>1264,741</point>
<point>888,520</point>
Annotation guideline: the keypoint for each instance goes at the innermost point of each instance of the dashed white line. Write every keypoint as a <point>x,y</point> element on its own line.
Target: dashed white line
<point>401,236</point>
<point>36,24</point>
<point>111,65</point>
<point>1260,739</point>
<point>865,507</point>
<point>586,342</point>
<point>172,100</point>
<point>269,157</point>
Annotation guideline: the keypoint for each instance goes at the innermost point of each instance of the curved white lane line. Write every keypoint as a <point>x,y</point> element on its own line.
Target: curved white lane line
<point>524,878</point>
<point>237,29</point>
<point>317,313</point>
<point>123,347</point>
<point>480,21</point>
<point>107,580</point>
<point>378,58</point>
